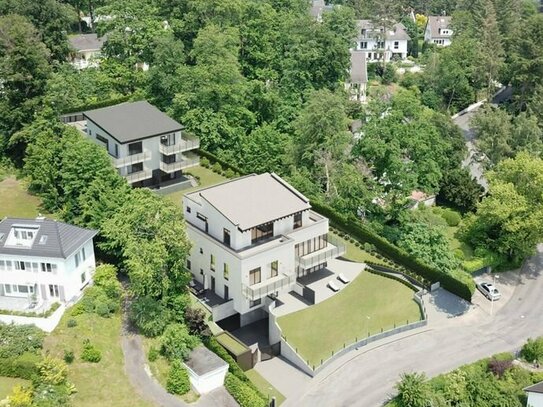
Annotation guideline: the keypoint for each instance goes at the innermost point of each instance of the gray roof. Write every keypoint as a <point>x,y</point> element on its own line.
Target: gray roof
<point>398,31</point>
<point>318,7</point>
<point>253,200</point>
<point>86,42</point>
<point>437,23</point>
<point>61,242</point>
<point>359,72</point>
<point>132,121</point>
<point>202,360</point>
<point>536,388</point>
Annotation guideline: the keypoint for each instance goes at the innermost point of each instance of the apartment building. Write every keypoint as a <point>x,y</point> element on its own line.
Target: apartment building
<point>252,237</point>
<point>380,42</point>
<point>147,147</point>
<point>43,261</point>
<point>438,31</point>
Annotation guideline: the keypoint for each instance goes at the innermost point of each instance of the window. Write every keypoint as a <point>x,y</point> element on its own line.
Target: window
<point>212,262</point>
<point>35,267</point>
<point>8,288</point>
<point>226,237</point>
<point>116,151</point>
<point>188,209</point>
<point>201,217</point>
<point>8,265</point>
<point>43,239</point>
<point>77,260</point>
<point>363,31</point>
<point>254,276</point>
<point>298,220</point>
<point>83,277</point>
<point>103,140</point>
<point>255,303</point>
<point>380,44</point>
<point>201,251</point>
<point>135,148</point>
<point>261,232</point>
<point>274,268</point>
<point>226,293</point>
<point>311,245</point>
<point>363,45</point>
<point>396,44</point>
<point>226,271</point>
<point>135,168</point>
<point>168,159</point>
<point>2,265</point>
<point>48,267</point>
<point>23,289</point>
<point>53,290</point>
<point>83,254</point>
<point>19,265</point>
<point>188,264</point>
<point>168,139</point>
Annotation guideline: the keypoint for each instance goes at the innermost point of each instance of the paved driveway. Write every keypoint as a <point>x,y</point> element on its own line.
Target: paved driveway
<point>367,377</point>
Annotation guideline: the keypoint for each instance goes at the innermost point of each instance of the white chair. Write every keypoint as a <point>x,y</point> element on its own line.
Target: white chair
<point>341,277</point>
<point>332,285</point>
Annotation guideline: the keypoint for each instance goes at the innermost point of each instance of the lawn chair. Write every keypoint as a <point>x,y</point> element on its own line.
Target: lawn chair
<point>341,277</point>
<point>332,286</point>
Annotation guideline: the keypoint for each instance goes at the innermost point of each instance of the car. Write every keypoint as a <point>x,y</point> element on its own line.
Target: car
<point>489,291</point>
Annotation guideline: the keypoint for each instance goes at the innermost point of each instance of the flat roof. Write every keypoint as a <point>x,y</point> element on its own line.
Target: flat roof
<point>253,200</point>
<point>132,121</point>
<point>202,361</point>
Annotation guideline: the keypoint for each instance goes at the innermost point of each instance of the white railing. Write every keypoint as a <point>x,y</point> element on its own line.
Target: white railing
<point>185,144</point>
<point>256,291</point>
<point>179,165</point>
<point>145,155</point>
<point>139,176</point>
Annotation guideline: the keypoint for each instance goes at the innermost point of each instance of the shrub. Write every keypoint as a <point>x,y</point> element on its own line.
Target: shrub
<point>244,394</point>
<point>369,247</point>
<point>52,371</point>
<point>153,354</point>
<point>451,217</point>
<point>229,173</point>
<point>214,346</point>
<point>499,367</point>
<point>196,322</point>
<point>24,366</point>
<point>149,315</point>
<point>20,397</point>
<point>102,309</point>
<point>69,356</point>
<point>204,162</point>
<point>18,339</point>
<point>178,379</point>
<point>533,350</point>
<point>177,342</point>
<point>90,353</point>
<point>216,168</point>
<point>459,254</point>
<point>71,323</point>
<point>105,277</point>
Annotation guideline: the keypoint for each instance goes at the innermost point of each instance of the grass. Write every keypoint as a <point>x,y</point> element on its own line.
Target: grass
<point>16,201</point>
<point>206,178</point>
<point>98,384</point>
<point>264,386</point>
<point>367,305</point>
<point>231,344</point>
<point>358,254</point>
<point>7,384</point>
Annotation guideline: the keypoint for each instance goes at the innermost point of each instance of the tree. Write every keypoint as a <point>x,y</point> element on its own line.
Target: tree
<point>178,379</point>
<point>149,315</point>
<point>493,131</point>
<point>105,277</point>
<point>413,390</point>
<point>196,322</point>
<point>460,189</point>
<point>176,342</point>
<point>264,150</point>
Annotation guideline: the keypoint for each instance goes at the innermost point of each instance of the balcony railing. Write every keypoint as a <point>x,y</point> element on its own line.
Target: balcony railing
<point>256,291</point>
<point>180,165</point>
<point>145,155</point>
<point>333,250</point>
<point>188,142</point>
<point>139,176</point>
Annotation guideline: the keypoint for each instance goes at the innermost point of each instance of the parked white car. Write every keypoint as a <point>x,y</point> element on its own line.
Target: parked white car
<point>489,291</point>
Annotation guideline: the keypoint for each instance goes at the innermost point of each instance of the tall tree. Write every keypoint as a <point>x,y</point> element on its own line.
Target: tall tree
<point>493,133</point>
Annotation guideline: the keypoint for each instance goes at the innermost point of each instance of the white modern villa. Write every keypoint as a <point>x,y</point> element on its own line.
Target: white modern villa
<point>43,261</point>
<point>252,238</point>
<point>379,42</point>
<point>438,31</point>
<point>148,148</point>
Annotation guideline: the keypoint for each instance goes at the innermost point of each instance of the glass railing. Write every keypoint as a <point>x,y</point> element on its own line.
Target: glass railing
<point>256,291</point>
<point>145,155</point>
<point>334,249</point>
<point>139,176</point>
<point>187,142</point>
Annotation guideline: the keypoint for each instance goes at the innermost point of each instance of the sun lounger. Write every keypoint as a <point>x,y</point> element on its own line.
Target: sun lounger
<point>332,285</point>
<point>341,277</point>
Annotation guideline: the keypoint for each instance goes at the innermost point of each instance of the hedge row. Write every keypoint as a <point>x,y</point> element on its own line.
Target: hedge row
<point>24,366</point>
<point>98,105</point>
<point>214,159</point>
<point>244,394</point>
<point>461,285</point>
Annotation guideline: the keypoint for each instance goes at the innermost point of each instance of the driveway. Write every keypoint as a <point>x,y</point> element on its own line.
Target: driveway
<point>367,377</point>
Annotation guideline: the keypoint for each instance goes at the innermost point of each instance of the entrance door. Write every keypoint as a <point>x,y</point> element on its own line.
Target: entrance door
<point>212,283</point>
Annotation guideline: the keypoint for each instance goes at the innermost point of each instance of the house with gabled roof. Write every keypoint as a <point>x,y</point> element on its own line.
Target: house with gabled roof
<point>86,50</point>
<point>379,42</point>
<point>357,79</point>
<point>438,31</point>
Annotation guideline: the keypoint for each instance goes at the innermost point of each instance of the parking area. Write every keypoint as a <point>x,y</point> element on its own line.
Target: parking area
<point>504,282</point>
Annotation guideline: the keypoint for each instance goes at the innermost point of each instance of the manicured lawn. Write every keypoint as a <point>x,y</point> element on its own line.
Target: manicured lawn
<point>264,386</point>
<point>231,344</point>
<point>15,201</point>
<point>368,304</point>
<point>207,178</point>
<point>7,383</point>
<point>356,253</point>
<point>98,384</point>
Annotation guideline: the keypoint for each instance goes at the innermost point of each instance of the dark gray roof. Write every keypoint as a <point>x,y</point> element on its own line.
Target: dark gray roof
<point>437,23</point>
<point>536,388</point>
<point>202,361</point>
<point>132,121</point>
<point>318,7</point>
<point>359,72</point>
<point>61,242</point>
<point>86,42</point>
<point>398,31</point>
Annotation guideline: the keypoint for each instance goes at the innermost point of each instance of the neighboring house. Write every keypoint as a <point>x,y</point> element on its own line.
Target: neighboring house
<point>148,148</point>
<point>318,8</point>
<point>43,261</point>
<point>358,77</point>
<point>378,42</point>
<point>438,31</point>
<point>418,198</point>
<point>535,395</point>
<point>86,50</point>
<point>252,237</point>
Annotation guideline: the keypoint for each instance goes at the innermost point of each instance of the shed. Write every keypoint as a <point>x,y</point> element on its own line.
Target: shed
<point>206,370</point>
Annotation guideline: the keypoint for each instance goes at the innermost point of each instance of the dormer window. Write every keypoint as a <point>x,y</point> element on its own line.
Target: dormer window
<point>22,236</point>
<point>43,239</point>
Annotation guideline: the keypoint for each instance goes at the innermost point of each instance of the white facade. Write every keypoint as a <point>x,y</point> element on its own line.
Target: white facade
<point>209,381</point>
<point>438,31</point>
<point>379,43</point>
<point>534,399</point>
<point>86,59</point>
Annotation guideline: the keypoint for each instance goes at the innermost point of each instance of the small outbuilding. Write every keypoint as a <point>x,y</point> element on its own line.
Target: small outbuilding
<point>206,370</point>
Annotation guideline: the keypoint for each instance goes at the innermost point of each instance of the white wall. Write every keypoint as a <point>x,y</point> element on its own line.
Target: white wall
<point>45,324</point>
<point>208,382</point>
<point>389,47</point>
<point>535,400</point>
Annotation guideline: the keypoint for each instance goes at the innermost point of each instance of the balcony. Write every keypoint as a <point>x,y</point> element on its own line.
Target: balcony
<point>145,155</point>
<point>186,162</point>
<point>187,142</point>
<point>267,287</point>
<point>139,176</point>
<point>333,250</point>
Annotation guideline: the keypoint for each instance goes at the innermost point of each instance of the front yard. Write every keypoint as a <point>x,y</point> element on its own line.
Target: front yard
<point>369,304</point>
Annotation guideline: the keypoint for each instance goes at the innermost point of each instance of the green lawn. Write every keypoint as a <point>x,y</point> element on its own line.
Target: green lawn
<point>207,178</point>
<point>98,384</point>
<point>15,201</point>
<point>368,304</point>
<point>264,386</point>
<point>7,383</point>
<point>357,254</point>
<point>231,344</point>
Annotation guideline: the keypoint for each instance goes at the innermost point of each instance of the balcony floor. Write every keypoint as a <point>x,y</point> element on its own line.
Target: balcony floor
<point>207,297</point>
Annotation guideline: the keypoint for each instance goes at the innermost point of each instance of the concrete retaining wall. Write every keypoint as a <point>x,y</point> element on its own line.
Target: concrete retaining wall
<point>45,324</point>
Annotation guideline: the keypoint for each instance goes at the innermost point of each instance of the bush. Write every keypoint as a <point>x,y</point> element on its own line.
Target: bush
<point>178,381</point>
<point>369,247</point>
<point>68,356</point>
<point>533,350</point>
<point>95,301</point>
<point>105,277</point>
<point>216,168</point>
<point>102,309</point>
<point>90,353</point>
<point>24,366</point>
<point>204,162</point>
<point>52,371</point>
<point>499,367</point>
<point>196,322</point>
<point>214,346</point>
<point>149,315</point>
<point>153,354</point>
<point>177,342</point>
<point>18,339</point>
<point>244,394</point>
<point>459,254</point>
<point>229,173</point>
<point>72,323</point>
<point>451,217</point>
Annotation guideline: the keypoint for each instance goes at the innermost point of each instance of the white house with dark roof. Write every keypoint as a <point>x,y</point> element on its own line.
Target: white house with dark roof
<point>358,77</point>
<point>43,261</point>
<point>252,237</point>
<point>379,42</point>
<point>147,146</point>
<point>438,31</point>
<point>535,395</point>
<point>86,50</point>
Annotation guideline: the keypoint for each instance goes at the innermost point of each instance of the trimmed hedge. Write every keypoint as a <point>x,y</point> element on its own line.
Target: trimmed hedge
<point>245,395</point>
<point>24,366</point>
<point>462,286</point>
<point>224,165</point>
<point>98,105</point>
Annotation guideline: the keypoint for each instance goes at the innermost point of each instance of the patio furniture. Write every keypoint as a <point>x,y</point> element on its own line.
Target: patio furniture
<point>341,277</point>
<point>332,286</point>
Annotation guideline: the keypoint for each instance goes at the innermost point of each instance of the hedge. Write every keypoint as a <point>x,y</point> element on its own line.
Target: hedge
<point>24,366</point>
<point>214,159</point>
<point>392,277</point>
<point>98,105</point>
<point>242,393</point>
<point>461,284</point>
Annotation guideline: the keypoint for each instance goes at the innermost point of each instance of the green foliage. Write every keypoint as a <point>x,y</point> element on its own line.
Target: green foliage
<point>459,189</point>
<point>105,277</point>
<point>90,353</point>
<point>195,318</point>
<point>149,315</point>
<point>20,397</point>
<point>18,339</point>
<point>212,344</point>
<point>245,395</point>
<point>24,366</point>
<point>95,300</point>
<point>69,356</point>
<point>177,342</point>
<point>533,350</point>
<point>71,323</point>
<point>153,354</point>
<point>216,168</point>
<point>178,379</point>
<point>413,390</point>
<point>204,162</point>
<point>52,371</point>
<point>451,217</point>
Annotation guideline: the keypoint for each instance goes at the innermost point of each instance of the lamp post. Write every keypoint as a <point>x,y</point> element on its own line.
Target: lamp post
<point>492,298</point>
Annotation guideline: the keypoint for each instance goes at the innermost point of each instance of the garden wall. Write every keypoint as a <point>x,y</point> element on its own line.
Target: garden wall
<point>45,324</point>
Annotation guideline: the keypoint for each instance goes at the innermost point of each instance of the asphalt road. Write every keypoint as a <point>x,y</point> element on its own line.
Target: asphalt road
<point>368,379</point>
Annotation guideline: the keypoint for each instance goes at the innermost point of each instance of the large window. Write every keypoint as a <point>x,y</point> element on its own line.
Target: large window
<point>363,45</point>
<point>261,232</point>
<point>254,276</point>
<point>168,139</point>
<point>135,148</point>
<point>255,303</point>
<point>274,268</point>
<point>135,168</point>
<point>103,140</point>
<point>226,237</point>
<point>298,220</point>
<point>311,245</point>
<point>53,290</point>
